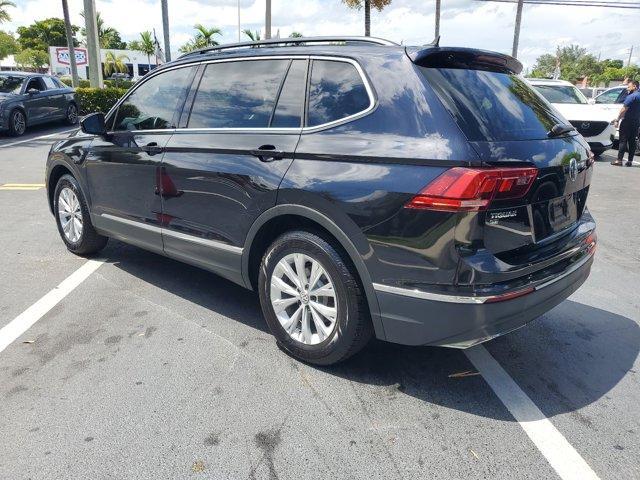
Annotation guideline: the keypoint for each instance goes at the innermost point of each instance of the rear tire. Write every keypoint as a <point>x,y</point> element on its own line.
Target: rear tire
<point>17,123</point>
<point>71,116</point>
<point>73,219</point>
<point>337,315</point>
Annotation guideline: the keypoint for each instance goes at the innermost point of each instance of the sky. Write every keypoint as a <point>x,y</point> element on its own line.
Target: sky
<point>471,23</point>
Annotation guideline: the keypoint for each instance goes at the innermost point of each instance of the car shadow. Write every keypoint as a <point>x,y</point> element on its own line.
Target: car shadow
<point>568,359</point>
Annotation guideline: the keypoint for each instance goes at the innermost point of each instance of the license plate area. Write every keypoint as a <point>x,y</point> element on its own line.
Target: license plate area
<point>553,216</point>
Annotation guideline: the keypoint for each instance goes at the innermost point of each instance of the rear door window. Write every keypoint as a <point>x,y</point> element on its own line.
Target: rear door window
<point>155,104</point>
<point>238,94</point>
<point>336,91</point>
<point>610,96</point>
<point>491,106</point>
<point>48,81</point>
<point>288,112</point>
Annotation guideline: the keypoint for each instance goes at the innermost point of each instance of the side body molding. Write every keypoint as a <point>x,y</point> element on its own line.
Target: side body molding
<point>338,233</point>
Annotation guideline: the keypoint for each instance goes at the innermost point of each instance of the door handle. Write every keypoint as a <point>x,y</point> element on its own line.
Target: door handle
<point>267,153</point>
<point>152,148</point>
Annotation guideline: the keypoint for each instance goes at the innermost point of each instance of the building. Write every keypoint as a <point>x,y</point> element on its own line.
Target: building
<point>136,62</point>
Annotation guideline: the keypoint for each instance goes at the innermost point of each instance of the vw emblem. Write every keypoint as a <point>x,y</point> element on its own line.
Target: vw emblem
<point>573,169</point>
<point>585,125</point>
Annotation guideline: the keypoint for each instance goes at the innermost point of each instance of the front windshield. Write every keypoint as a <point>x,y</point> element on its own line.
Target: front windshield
<point>10,84</point>
<point>561,94</point>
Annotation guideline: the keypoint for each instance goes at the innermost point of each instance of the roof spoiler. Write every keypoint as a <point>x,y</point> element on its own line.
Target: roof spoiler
<point>434,56</point>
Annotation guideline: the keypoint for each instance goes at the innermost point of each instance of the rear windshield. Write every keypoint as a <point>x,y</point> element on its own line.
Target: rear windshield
<point>561,94</point>
<point>490,106</point>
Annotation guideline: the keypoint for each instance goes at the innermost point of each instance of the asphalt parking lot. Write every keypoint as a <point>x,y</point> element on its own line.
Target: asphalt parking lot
<point>153,369</point>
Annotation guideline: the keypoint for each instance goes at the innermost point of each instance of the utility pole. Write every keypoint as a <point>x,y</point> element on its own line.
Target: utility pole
<point>437,20</point>
<point>93,44</point>
<point>238,20</point>
<point>267,21</point>
<point>630,53</point>
<point>165,30</point>
<point>75,81</point>
<point>516,31</point>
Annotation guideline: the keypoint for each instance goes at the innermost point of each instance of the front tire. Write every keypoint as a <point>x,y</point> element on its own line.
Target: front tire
<point>17,123</point>
<point>73,220</point>
<point>312,299</point>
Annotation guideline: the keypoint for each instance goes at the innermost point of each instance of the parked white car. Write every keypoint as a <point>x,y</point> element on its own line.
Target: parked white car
<point>611,100</point>
<point>594,122</point>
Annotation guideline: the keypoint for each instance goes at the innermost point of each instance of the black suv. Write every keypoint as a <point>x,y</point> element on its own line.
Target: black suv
<point>427,196</point>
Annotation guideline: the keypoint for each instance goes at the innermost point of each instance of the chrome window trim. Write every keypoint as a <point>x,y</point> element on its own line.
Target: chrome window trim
<point>179,235</point>
<point>468,299</point>
<point>298,130</point>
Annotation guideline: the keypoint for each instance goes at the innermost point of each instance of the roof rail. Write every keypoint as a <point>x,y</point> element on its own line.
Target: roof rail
<point>275,42</point>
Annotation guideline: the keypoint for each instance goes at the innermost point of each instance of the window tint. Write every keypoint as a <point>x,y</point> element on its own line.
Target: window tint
<point>491,106</point>
<point>288,113</point>
<point>48,81</point>
<point>36,83</point>
<point>237,94</point>
<point>59,83</point>
<point>154,103</point>
<point>336,91</point>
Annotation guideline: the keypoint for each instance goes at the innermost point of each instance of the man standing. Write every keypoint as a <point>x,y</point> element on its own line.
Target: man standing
<point>628,122</point>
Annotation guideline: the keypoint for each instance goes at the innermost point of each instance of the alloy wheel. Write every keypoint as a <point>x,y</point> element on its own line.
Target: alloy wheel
<point>19,123</point>
<point>72,114</point>
<point>303,298</point>
<point>70,215</point>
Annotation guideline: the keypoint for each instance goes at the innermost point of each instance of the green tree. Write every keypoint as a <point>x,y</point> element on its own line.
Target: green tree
<point>4,15</point>
<point>358,4</point>
<point>109,37</point>
<point>202,39</point>
<point>147,46</point>
<point>296,35</point>
<point>134,45</point>
<point>114,64</point>
<point>574,63</point>
<point>253,36</point>
<point>43,34</point>
<point>31,58</point>
<point>8,45</point>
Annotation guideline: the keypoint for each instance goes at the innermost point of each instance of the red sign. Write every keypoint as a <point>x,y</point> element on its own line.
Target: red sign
<point>62,55</point>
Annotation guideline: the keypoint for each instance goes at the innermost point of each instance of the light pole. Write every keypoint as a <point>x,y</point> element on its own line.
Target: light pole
<point>267,21</point>
<point>238,20</point>
<point>93,44</point>
<point>75,81</point>
<point>516,31</point>
<point>437,20</point>
<point>165,30</point>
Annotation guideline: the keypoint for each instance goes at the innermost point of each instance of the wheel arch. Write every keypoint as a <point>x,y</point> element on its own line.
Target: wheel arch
<point>282,218</point>
<point>56,171</point>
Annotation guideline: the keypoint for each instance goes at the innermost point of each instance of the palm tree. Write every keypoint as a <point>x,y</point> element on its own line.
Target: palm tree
<point>114,63</point>
<point>254,36</point>
<point>202,39</point>
<point>4,15</point>
<point>357,4</point>
<point>147,46</point>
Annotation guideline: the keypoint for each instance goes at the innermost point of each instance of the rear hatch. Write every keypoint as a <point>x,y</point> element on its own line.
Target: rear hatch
<point>508,124</point>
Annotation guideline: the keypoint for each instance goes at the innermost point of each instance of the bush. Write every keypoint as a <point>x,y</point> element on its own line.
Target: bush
<point>98,99</point>
<point>107,83</point>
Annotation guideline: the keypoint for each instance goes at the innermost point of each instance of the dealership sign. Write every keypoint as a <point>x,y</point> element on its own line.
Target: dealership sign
<point>62,56</point>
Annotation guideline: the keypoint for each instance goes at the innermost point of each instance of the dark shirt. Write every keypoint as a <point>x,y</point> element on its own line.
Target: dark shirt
<point>632,102</point>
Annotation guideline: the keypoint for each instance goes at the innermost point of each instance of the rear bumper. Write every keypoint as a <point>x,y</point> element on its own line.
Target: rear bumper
<point>418,318</point>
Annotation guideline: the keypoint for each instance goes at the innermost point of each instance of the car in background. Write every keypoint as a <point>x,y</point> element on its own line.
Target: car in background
<point>594,123</point>
<point>28,99</point>
<point>611,100</point>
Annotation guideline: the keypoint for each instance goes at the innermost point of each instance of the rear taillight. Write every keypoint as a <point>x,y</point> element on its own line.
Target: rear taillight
<point>472,189</point>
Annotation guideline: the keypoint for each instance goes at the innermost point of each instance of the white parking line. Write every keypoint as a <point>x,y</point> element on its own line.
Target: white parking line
<point>5,145</point>
<point>564,459</point>
<point>35,312</point>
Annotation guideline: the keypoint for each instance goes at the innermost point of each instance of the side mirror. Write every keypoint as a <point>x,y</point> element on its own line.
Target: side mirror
<point>94,124</point>
<point>33,91</point>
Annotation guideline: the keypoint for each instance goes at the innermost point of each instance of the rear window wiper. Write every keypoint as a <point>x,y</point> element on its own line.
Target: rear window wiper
<point>560,129</point>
